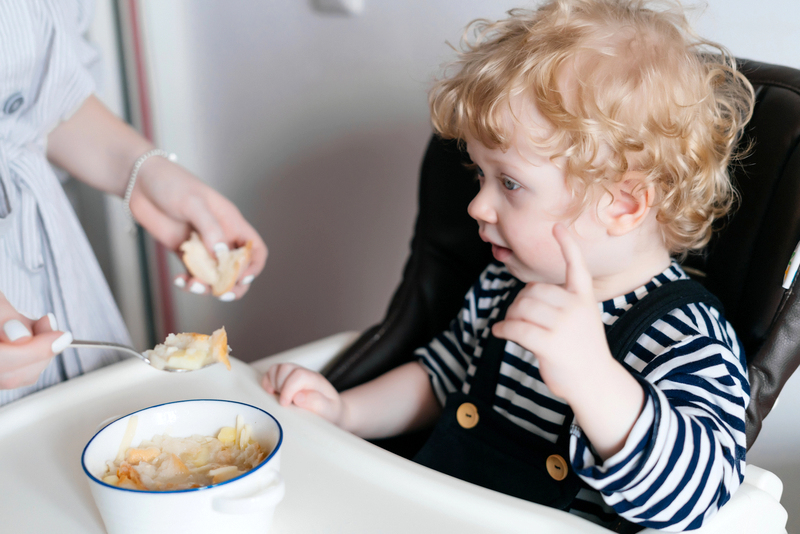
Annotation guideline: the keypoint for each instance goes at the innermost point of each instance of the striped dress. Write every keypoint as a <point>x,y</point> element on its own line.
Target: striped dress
<point>46,263</point>
<point>685,455</point>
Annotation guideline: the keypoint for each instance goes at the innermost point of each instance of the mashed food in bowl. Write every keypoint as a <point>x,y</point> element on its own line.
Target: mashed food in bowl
<point>166,463</point>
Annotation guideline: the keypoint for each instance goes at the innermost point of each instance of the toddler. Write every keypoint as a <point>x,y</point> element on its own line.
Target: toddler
<point>600,132</point>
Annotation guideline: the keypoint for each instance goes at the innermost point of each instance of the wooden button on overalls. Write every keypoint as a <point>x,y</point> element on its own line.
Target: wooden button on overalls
<point>467,415</point>
<point>557,467</point>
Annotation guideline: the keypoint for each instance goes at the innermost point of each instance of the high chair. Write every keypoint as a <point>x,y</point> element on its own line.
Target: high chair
<point>744,266</point>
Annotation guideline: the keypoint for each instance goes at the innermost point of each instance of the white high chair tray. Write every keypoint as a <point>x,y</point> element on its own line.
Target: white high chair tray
<point>335,482</point>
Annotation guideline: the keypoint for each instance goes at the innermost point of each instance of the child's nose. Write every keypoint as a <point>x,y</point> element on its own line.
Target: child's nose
<point>481,209</point>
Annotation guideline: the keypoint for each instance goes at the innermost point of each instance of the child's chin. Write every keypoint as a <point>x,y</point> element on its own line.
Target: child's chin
<point>526,276</point>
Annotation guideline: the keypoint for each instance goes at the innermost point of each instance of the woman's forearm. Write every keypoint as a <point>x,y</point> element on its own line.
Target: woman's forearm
<point>399,401</point>
<point>96,147</point>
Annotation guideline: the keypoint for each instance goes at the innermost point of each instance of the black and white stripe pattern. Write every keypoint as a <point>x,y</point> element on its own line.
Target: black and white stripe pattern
<point>685,455</point>
<point>46,263</point>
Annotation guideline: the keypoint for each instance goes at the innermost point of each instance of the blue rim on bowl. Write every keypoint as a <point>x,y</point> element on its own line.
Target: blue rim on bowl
<point>256,468</point>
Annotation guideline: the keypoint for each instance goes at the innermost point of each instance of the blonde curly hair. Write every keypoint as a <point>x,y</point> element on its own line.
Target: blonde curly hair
<point>668,104</point>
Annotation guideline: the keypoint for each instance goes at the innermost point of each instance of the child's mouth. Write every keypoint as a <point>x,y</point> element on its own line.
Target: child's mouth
<point>501,253</point>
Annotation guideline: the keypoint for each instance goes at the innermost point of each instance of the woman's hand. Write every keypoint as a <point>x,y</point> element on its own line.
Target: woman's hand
<point>26,346</point>
<point>306,389</point>
<point>99,149</point>
<point>169,201</point>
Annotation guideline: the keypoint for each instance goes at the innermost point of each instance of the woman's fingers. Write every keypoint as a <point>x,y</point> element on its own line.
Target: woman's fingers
<point>16,330</point>
<point>14,327</point>
<point>23,376</point>
<point>45,324</point>
<point>21,362</point>
<point>201,217</point>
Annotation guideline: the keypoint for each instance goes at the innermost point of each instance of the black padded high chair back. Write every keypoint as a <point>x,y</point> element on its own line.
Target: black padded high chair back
<point>744,264</point>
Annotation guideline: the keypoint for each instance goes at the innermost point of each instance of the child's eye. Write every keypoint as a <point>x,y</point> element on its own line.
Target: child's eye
<point>509,184</point>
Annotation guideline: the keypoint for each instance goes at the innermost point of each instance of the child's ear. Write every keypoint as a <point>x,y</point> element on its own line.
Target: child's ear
<point>628,206</point>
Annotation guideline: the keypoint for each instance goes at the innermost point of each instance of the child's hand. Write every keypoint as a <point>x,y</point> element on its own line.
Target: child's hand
<point>304,388</point>
<point>560,325</point>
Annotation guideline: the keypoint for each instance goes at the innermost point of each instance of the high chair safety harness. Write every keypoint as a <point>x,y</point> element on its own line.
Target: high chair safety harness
<point>475,443</point>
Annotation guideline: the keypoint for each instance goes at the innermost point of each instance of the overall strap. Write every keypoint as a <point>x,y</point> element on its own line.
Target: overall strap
<point>487,371</point>
<point>622,335</point>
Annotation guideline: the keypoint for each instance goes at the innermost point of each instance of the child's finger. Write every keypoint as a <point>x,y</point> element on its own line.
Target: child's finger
<point>523,333</point>
<point>579,280</point>
<point>298,380</point>
<point>301,379</point>
<point>534,311</point>
<point>276,375</point>
<point>266,382</point>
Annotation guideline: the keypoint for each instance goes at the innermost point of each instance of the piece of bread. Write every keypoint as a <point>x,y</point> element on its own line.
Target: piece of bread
<point>221,273</point>
<point>191,351</point>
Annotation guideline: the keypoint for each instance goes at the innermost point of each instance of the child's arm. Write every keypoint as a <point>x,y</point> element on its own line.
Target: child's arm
<point>563,328</point>
<point>96,147</point>
<point>398,401</point>
<point>680,453</point>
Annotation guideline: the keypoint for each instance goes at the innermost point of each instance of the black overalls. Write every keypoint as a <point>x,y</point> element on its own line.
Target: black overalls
<point>474,442</point>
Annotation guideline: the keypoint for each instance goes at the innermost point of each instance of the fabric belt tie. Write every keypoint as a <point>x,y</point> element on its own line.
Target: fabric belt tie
<point>22,203</point>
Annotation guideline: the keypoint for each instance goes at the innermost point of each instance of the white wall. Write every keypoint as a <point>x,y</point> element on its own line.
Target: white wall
<point>315,126</point>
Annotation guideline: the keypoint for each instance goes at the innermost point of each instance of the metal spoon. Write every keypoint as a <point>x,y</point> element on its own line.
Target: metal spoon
<point>81,344</point>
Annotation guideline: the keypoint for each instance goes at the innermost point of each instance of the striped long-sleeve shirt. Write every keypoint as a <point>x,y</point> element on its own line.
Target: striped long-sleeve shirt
<point>46,262</point>
<point>685,455</point>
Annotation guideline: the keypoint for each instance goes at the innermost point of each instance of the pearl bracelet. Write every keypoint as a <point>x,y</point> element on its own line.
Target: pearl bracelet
<point>132,180</point>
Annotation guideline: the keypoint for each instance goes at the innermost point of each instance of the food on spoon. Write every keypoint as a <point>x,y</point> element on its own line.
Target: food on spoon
<point>166,463</point>
<point>190,351</point>
<point>221,273</point>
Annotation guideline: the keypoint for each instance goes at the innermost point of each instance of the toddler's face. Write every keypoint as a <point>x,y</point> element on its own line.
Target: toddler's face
<point>523,195</point>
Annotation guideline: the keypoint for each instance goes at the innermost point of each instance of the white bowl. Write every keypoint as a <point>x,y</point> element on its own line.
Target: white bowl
<point>243,505</point>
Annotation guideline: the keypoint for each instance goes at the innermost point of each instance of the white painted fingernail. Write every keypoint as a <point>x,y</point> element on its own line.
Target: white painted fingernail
<point>53,322</point>
<point>179,282</point>
<point>247,280</point>
<point>61,343</point>
<point>221,248</point>
<point>227,297</point>
<point>15,330</point>
<point>197,288</point>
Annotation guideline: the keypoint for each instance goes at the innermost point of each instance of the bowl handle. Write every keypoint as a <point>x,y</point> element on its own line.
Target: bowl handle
<point>264,498</point>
